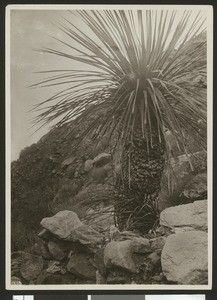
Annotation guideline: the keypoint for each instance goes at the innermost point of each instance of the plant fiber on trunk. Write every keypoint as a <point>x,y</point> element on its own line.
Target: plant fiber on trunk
<point>137,189</point>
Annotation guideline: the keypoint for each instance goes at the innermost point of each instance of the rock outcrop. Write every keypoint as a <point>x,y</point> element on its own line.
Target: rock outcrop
<point>71,252</point>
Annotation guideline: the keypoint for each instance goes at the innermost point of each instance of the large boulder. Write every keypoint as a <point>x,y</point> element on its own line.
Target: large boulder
<point>184,258</point>
<point>62,224</point>
<point>66,226</point>
<point>119,254</point>
<point>187,216</point>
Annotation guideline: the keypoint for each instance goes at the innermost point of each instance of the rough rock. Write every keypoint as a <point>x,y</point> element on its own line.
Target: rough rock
<point>192,215</point>
<point>158,278</point>
<point>48,278</point>
<point>196,188</point>
<point>56,249</point>
<point>18,255</point>
<point>44,249</point>
<point>80,265</point>
<point>164,231</point>
<point>99,278</point>
<point>35,249</point>
<point>182,229</point>
<point>117,280</point>
<point>88,165</point>
<point>99,262</point>
<point>62,224</point>
<point>85,235</point>
<point>32,266</point>
<point>124,235</point>
<point>101,159</point>
<point>119,254</point>
<point>16,262</point>
<point>141,245</point>
<point>182,175</point>
<point>157,243</point>
<point>99,175</point>
<point>154,258</point>
<point>68,161</point>
<point>66,226</point>
<point>108,167</point>
<point>55,267</point>
<point>118,277</point>
<point>184,258</point>
<point>40,248</point>
<point>114,233</point>
<point>80,281</point>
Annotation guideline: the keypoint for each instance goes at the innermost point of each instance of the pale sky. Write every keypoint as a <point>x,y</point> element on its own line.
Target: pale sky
<point>31,29</point>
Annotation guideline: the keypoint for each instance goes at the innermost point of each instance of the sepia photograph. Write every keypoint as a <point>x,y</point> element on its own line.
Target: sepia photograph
<point>109,147</point>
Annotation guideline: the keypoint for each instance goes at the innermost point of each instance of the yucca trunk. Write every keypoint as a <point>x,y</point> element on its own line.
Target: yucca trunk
<point>138,188</point>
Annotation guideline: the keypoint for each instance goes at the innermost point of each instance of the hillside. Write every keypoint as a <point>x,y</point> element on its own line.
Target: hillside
<point>53,174</point>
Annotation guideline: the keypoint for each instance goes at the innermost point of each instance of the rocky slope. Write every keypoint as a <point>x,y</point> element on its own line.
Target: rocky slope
<point>57,173</point>
<point>71,252</point>
<point>61,183</point>
<point>51,176</point>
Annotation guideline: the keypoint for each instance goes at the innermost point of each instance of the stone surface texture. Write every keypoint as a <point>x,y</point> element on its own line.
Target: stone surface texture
<point>189,216</point>
<point>119,254</point>
<point>184,258</point>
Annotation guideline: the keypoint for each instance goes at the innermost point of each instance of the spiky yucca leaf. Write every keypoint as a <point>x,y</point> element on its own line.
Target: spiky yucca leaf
<point>136,70</point>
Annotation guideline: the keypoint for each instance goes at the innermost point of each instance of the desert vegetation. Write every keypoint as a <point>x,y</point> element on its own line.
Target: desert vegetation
<point>139,75</point>
<point>120,123</point>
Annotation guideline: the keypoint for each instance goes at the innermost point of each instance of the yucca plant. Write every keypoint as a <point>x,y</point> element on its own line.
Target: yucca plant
<point>139,71</point>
